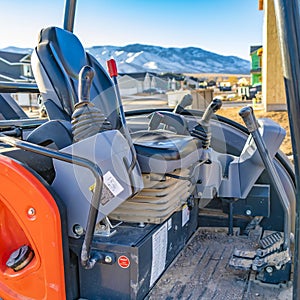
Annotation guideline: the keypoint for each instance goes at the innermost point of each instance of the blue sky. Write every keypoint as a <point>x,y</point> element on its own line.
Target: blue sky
<point>227,27</point>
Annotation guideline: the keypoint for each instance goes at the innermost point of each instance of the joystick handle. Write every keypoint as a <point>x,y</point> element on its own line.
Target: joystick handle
<point>86,76</point>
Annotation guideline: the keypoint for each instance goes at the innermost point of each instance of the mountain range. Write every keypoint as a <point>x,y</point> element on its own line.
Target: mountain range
<point>146,58</point>
<point>141,58</point>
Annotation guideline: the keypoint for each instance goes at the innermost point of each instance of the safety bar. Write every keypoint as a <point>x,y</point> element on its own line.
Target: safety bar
<point>23,123</point>
<point>18,87</point>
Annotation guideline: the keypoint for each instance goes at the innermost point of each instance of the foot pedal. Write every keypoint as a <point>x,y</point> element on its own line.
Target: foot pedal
<point>270,257</point>
<point>239,263</point>
<point>244,254</point>
<point>242,259</point>
<point>270,240</point>
<point>272,244</point>
<point>276,260</point>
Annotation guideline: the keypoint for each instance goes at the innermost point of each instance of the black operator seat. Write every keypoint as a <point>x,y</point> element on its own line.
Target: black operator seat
<point>56,63</point>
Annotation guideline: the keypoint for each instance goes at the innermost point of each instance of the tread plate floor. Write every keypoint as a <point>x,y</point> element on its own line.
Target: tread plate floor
<point>201,271</point>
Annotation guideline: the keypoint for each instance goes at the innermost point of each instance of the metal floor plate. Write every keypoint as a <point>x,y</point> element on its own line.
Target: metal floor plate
<point>201,271</point>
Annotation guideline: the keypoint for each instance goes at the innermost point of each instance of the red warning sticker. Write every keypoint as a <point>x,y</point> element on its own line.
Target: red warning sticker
<point>123,261</point>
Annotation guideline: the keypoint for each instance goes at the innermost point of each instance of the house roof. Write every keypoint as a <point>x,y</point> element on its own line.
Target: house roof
<point>26,58</point>
<point>5,76</point>
<point>140,75</point>
<point>254,48</point>
<point>126,77</point>
<point>12,66</point>
<point>12,57</point>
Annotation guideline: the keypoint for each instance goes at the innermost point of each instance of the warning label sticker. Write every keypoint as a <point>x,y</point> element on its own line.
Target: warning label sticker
<point>112,183</point>
<point>111,188</point>
<point>159,252</point>
<point>185,215</point>
<point>123,261</point>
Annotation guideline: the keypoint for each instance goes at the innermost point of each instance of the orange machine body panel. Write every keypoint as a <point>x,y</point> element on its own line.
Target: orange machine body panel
<point>29,216</point>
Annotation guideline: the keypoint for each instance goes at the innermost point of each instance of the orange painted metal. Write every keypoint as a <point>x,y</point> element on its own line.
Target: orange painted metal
<point>260,4</point>
<point>29,216</point>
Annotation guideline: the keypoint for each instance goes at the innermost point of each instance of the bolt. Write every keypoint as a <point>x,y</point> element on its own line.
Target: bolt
<point>108,259</point>
<point>78,230</point>
<point>248,212</point>
<point>269,270</point>
<point>31,212</point>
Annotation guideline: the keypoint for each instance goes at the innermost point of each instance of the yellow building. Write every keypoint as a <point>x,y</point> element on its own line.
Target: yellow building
<point>272,84</point>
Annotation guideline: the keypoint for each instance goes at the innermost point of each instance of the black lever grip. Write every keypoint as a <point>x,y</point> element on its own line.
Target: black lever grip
<point>187,100</point>
<point>249,119</point>
<point>86,76</point>
<point>212,108</point>
<point>171,120</point>
<point>203,131</point>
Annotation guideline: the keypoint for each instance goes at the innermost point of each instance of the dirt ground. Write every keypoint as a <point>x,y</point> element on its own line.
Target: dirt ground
<point>281,117</point>
<point>202,271</point>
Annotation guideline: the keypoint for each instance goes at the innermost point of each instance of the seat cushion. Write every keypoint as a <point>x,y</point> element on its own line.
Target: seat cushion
<point>171,146</point>
<point>162,151</point>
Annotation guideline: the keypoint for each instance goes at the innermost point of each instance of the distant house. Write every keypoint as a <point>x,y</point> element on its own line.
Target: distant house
<point>15,67</point>
<point>225,86</point>
<point>191,82</point>
<point>256,64</point>
<point>153,83</point>
<point>159,84</point>
<point>134,83</point>
<point>129,85</point>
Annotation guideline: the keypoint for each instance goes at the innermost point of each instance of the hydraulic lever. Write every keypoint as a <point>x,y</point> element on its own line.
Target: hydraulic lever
<point>203,130</point>
<point>252,125</point>
<point>213,107</point>
<point>187,100</point>
<point>172,119</point>
<point>87,120</point>
<point>86,76</point>
<point>113,72</point>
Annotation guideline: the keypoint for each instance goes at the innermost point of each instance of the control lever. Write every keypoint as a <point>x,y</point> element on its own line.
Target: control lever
<point>214,106</point>
<point>87,120</point>
<point>172,119</point>
<point>186,100</point>
<point>203,130</point>
<point>86,76</point>
<point>252,125</point>
<point>113,72</point>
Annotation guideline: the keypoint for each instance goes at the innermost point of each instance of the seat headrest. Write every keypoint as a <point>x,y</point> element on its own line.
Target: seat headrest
<point>68,48</point>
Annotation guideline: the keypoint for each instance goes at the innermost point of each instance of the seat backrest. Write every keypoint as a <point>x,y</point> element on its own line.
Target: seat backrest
<point>56,63</point>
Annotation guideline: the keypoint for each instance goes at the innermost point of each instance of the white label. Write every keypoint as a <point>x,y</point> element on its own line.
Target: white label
<point>159,252</point>
<point>112,183</point>
<point>185,215</point>
<point>169,224</point>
